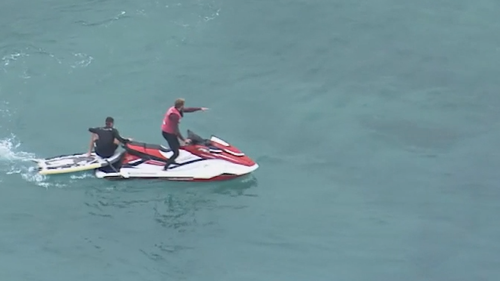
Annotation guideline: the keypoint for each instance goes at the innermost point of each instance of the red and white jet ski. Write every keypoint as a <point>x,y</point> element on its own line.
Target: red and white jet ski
<point>203,160</point>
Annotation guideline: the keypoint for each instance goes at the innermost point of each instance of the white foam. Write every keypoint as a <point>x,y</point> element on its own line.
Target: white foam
<point>15,161</point>
<point>9,150</point>
<point>8,59</point>
<point>82,176</point>
<point>83,60</point>
<point>12,159</point>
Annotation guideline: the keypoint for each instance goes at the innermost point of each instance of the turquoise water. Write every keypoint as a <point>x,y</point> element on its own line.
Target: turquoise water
<point>375,125</point>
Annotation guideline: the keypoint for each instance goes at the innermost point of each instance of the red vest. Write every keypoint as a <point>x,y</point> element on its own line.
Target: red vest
<point>167,125</point>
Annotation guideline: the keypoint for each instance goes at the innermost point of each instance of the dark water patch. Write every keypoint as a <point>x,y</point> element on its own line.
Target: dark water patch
<point>412,133</point>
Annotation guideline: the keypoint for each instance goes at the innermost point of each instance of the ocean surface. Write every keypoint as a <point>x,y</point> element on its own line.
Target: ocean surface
<point>375,124</point>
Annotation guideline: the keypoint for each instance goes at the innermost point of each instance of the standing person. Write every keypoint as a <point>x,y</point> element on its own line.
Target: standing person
<point>170,127</point>
<point>105,139</point>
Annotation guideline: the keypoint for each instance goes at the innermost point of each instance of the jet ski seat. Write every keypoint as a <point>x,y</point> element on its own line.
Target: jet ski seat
<point>150,146</point>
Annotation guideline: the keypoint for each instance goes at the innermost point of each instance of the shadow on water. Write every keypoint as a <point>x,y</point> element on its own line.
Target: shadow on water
<point>181,206</point>
<point>235,187</point>
<point>150,222</point>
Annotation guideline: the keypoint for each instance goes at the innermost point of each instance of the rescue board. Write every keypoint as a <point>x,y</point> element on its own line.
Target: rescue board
<point>72,163</point>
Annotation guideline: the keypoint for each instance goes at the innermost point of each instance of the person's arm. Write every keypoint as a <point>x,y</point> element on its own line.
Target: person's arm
<point>175,120</point>
<point>117,136</point>
<point>93,138</point>
<point>193,109</point>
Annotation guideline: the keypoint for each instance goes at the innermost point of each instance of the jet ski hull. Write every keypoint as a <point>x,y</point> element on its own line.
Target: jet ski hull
<point>205,160</point>
<point>158,173</point>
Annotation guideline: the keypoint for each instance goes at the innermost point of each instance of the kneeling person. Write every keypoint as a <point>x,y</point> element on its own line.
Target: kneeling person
<point>105,140</point>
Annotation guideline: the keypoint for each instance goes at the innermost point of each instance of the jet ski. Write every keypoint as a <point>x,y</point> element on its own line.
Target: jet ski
<point>202,160</point>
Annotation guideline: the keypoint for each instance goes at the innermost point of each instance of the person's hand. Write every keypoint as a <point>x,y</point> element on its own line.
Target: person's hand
<point>204,109</point>
<point>130,139</point>
<point>187,141</point>
<point>88,154</point>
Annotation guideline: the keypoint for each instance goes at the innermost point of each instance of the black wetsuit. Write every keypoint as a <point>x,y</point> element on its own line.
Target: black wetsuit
<point>104,145</point>
<point>173,143</point>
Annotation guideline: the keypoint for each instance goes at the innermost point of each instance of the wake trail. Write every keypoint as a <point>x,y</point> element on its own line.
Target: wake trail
<point>15,161</point>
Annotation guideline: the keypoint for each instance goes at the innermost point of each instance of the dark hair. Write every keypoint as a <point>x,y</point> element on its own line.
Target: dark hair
<point>109,121</point>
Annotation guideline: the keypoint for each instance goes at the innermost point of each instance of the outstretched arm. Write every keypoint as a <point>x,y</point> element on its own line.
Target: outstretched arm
<point>193,109</point>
